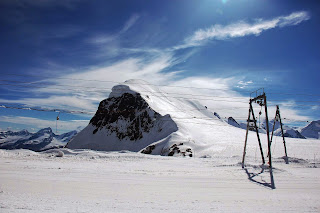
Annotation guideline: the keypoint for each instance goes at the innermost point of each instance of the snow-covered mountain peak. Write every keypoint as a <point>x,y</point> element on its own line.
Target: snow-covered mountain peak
<point>41,140</point>
<point>138,114</point>
<point>119,90</point>
<point>312,130</point>
<point>47,130</point>
<point>126,120</point>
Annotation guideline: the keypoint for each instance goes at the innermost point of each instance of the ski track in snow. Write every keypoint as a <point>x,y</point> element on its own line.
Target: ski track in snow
<point>91,181</point>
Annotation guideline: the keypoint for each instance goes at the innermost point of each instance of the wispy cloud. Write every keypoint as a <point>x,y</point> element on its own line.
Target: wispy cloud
<point>219,95</point>
<point>110,44</point>
<point>132,20</point>
<point>84,90</point>
<point>108,38</point>
<point>243,84</point>
<point>156,66</point>
<point>243,28</point>
<point>56,101</point>
<point>42,123</point>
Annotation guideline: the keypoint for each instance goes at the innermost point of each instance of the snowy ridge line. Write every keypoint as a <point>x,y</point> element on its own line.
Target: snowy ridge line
<point>44,139</point>
<point>116,82</point>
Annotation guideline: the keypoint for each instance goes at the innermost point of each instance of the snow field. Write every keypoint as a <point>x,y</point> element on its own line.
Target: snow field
<point>90,181</point>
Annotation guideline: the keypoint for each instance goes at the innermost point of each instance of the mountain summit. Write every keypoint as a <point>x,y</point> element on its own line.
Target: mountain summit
<point>42,140</point>
<point>124,121</point>
<point>312,130</point>
<point>138,116</point>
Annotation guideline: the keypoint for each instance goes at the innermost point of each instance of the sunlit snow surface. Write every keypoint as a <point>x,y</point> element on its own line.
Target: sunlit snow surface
<point>91,181</point>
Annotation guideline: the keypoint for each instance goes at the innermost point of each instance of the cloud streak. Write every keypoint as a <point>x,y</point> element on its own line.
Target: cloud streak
<point>156,66</point>
<point>242,28</point>
<point>132,20</point>
<point>42,123</point>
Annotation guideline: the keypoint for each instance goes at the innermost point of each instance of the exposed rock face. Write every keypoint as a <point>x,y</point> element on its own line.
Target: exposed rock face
<point>124,121</point>
<point>128,116</point>
<point>178,150</point>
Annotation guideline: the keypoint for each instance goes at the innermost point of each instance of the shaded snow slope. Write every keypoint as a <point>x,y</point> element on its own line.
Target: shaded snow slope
<point>233,122</point>
<point>41,140</point>
<point>288,132</point>
<point>10,137</point>
<point>312,130</point>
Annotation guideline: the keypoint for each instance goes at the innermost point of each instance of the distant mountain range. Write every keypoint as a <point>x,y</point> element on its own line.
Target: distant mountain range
<point>42,140</point>
<point>312,130</point>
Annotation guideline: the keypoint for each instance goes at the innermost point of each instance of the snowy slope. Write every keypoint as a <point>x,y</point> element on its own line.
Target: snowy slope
<point>312,130</point>
<point>10,137</point>
<point>138,116</point>
<point>97,181</point>
<point>288,132</point>
<point>41,140</point>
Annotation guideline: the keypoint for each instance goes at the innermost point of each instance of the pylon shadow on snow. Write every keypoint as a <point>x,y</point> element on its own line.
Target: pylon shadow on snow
<point>254,177</point>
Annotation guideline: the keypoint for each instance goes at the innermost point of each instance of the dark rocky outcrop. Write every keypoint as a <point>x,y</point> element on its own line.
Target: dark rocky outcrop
<point>128,116</point>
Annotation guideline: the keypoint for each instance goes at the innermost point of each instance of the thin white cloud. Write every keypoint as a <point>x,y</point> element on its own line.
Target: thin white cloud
<point>152,66</point>
<point>243,84</point>
<point>132,20</point>
<point>293,19</point>
<point>288,111</point>
<point>42,123</point>
<point>243,28</point>
<point>110,44</point>
<point>55,102</point>
<point>219,96</point>
<point>69,93</point>
<point>101,39</point>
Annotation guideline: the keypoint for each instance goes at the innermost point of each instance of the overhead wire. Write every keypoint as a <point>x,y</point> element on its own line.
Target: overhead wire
<point>92,113</point>
<point>97,89</point>
<point>109,81</point>
<point>108,88</point>
<point>178,97</point>
<point>97,80</point>
<point>47,110</point>
<point>82,112</point>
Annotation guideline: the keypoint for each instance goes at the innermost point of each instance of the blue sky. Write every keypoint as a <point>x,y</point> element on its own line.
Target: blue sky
<point>67,55</point>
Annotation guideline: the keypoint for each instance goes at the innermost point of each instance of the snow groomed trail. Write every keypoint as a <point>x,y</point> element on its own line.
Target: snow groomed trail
<point>90,181</point>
